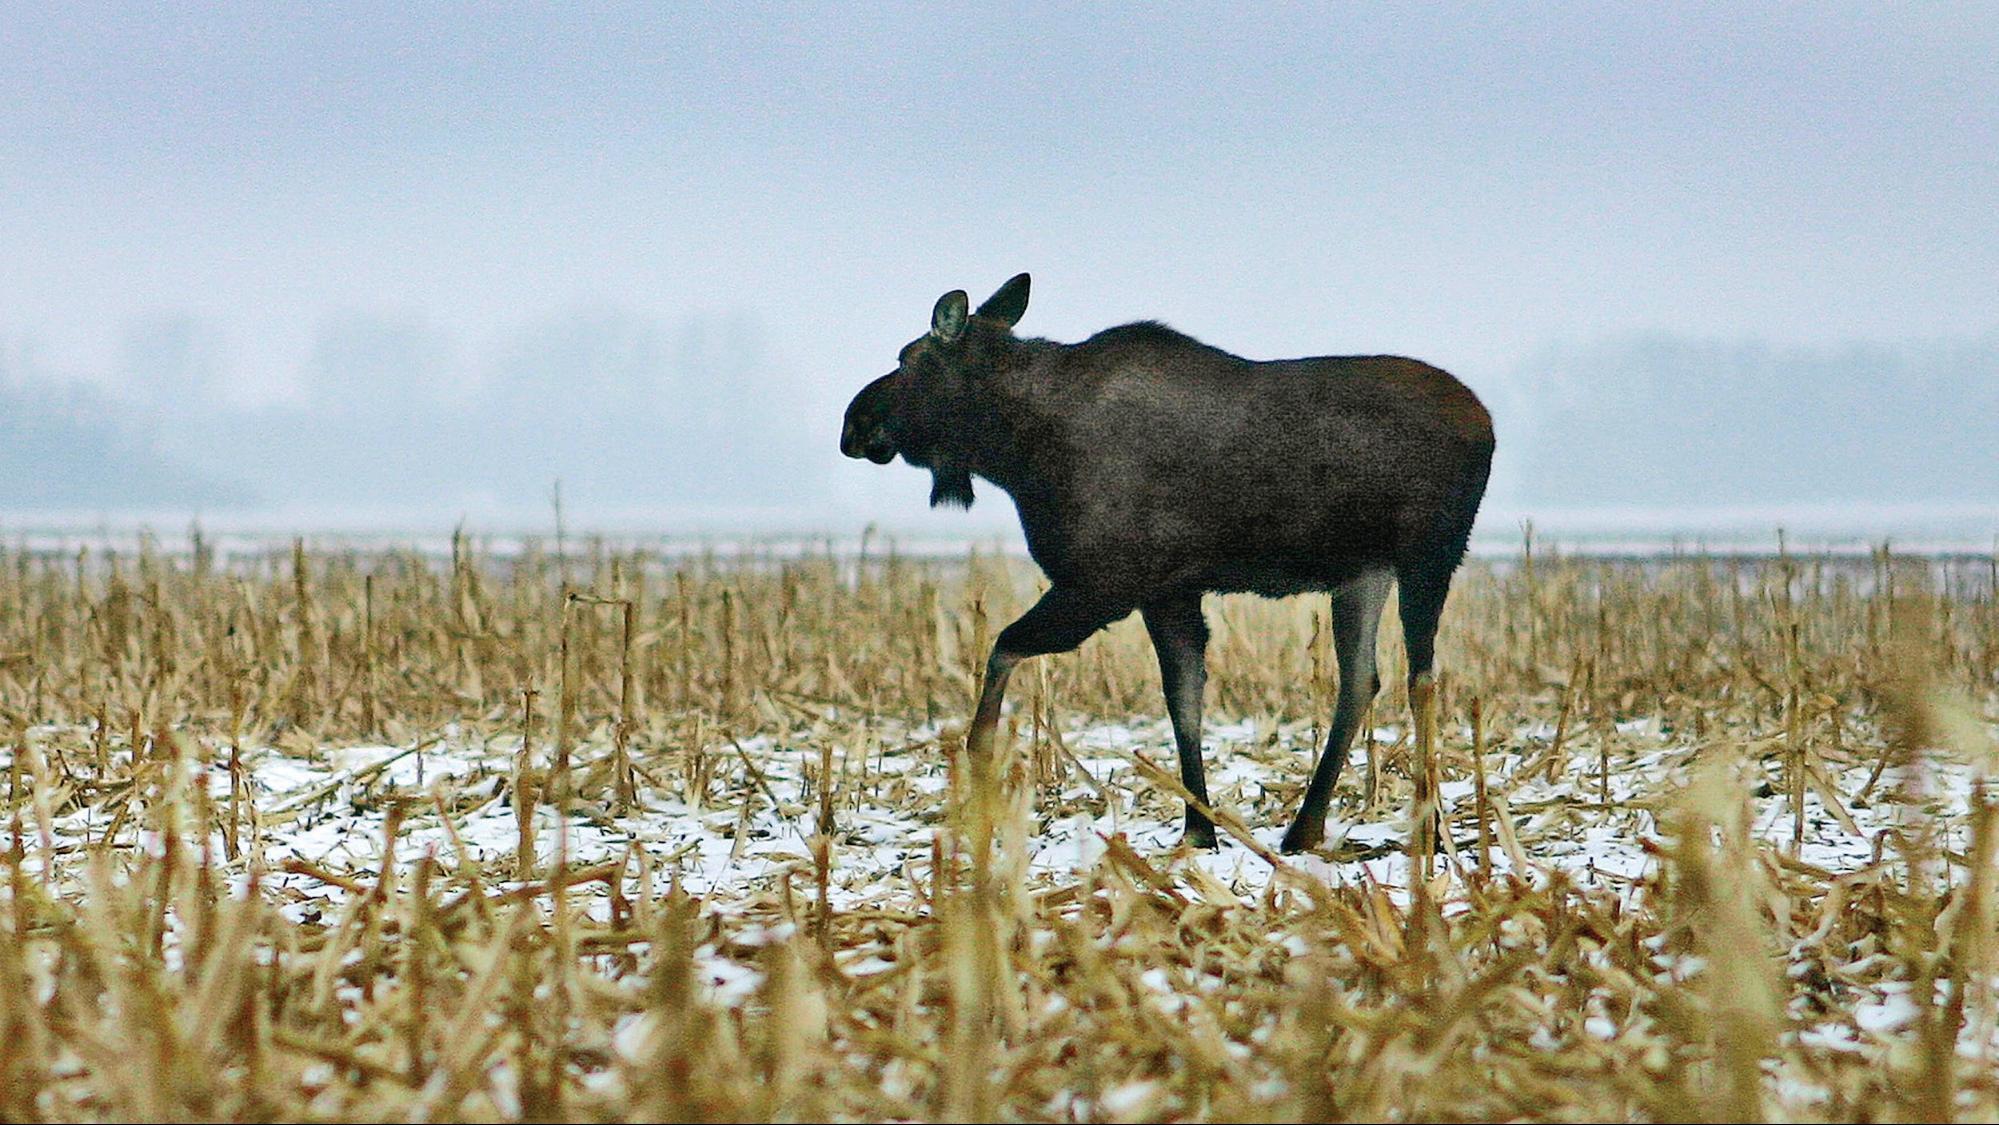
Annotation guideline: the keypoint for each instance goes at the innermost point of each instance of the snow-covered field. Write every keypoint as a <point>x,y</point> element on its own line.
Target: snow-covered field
<point>321,822</point>
<point>443,914</point>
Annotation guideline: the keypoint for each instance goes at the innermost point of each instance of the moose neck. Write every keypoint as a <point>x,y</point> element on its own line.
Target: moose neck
<point>990,434</point>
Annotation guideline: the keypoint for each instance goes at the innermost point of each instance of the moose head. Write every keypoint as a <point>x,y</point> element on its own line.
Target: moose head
<point>919,409</point>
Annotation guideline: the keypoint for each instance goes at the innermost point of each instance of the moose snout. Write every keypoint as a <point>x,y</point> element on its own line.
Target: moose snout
<point>864,429</point>
<point>866,441</point>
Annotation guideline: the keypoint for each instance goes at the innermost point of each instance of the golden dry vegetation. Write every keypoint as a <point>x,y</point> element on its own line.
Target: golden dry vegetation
<point>342,834</point>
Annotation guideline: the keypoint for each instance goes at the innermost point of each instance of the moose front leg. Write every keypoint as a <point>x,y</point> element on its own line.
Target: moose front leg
<point>1180,638</point>
<point>1060,621</point>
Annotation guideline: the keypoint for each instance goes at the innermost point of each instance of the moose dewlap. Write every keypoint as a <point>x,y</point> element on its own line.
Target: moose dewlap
<point>1149,469</point>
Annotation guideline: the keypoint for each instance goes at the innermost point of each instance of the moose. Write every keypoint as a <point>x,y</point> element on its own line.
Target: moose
<point>1149,469</point>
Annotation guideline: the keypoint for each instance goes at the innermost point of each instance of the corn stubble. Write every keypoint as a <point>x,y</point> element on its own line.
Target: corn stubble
<point>147,974</point>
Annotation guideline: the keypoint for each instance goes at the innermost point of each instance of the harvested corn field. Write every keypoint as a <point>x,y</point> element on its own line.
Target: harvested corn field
<point>524,830</point>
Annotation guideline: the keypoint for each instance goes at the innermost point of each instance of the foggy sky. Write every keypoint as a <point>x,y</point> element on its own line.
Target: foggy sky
<point>254,207</point>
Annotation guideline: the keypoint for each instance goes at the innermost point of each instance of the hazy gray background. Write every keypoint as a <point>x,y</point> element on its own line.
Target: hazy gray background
<point>367,263</point>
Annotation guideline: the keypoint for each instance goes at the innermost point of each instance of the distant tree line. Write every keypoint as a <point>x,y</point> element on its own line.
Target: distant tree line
<point>1671,421</point>
<point>617,408</point>
<point>625,411</point>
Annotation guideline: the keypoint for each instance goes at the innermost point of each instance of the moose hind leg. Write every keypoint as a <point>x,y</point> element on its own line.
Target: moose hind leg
<point>1421,602</point>
<point>1180,638</point>
<point>1357,609</point>
<point>1060,621</point>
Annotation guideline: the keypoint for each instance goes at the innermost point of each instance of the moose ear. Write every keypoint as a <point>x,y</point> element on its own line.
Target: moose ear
<point>947,320</point>
<point>1009,304</point>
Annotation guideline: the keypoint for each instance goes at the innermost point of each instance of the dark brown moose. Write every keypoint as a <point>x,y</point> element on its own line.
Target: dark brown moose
<point>1150,468</point>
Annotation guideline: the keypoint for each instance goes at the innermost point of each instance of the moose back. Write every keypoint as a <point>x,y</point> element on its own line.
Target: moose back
<point>1149,469</point>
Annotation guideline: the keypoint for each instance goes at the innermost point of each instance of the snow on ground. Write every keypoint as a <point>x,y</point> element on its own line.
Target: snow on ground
<point>327,815</point>
<point>759,817</point>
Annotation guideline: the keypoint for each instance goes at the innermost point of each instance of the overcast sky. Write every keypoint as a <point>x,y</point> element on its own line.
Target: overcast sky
<point>1469,185</point>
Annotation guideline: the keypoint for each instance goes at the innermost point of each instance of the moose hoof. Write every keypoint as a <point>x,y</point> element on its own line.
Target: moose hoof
<point>1199,836</point>
<point>1303,836</point>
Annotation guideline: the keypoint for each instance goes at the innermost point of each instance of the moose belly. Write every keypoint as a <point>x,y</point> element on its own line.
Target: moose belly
<point>1133,552</point>
<point>1279,578</point>
<point>1276,558</point>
